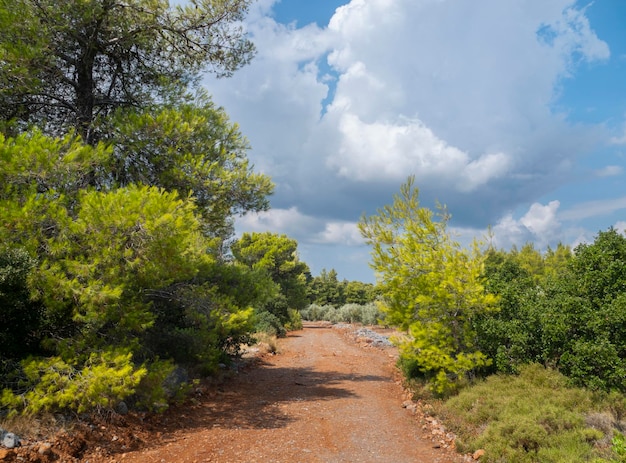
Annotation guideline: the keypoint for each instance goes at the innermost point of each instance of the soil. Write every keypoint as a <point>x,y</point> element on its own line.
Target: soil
<point>325,397</point>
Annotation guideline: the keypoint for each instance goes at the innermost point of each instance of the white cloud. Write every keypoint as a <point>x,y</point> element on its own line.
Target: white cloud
<point>382,150</point>
<point>541,220</point>
<point>539,225</point>
<point>593,209</point>
<point>288,221</point>
<point>609,171</point>
<point>308,229</point>
<point>345,233</point>
<point>458,92</point>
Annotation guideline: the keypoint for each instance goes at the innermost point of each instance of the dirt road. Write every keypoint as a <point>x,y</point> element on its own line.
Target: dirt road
<point>322,399</point>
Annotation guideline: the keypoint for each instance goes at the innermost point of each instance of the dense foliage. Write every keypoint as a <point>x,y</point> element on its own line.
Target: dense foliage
<point>326,289</point>
<point>563,309</point>
<point>275,260</point>
<point>431,287</point>
<point>66,64</point>
<point>533,416</point>
<point>119,181</point>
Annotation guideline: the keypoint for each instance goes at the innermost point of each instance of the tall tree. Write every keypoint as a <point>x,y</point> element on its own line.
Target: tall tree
<point>66,62</point>
<point>277,255</point>
<point>325,289</point>
<point>430,286</point>
<point>192,147</point>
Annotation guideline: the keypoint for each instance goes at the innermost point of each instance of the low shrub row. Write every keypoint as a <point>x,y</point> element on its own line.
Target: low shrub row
<point>367,314</point>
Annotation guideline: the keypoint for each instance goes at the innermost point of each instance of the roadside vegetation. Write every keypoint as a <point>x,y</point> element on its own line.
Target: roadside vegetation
<point>121,279</point>
<point>523,352</point>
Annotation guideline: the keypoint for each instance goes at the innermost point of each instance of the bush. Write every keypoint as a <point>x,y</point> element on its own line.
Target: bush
<point>269,323</point>
<point>368,314</point>
<point>102,381</point>
<point>316,312</point>
<point>531,417</point>
<point>350,313</point>
<point>295,321</point>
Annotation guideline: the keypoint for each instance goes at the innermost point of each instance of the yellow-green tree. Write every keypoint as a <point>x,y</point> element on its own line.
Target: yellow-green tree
<point>431,287</point>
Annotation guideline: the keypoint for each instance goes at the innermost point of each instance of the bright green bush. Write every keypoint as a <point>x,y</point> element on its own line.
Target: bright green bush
<point>295,321</point>
<point>102,381</point>
<point>430,286</point>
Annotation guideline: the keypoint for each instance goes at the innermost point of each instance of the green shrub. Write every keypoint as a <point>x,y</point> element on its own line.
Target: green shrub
<point>269,323</point>
<point>316,312</point>
<point>370,314</point>
<point>152,393</point>
<point>527,418</point>
<point>295,321</point>
<point>351,313</point>
<point>102,381</point>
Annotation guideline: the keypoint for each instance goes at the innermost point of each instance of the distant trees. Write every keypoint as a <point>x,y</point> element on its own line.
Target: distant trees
<point>326,289</point>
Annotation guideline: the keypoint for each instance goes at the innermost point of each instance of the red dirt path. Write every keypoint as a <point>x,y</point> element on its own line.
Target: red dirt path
<point>323,398</point>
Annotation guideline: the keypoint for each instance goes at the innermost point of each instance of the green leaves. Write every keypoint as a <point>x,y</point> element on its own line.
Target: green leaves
<point>66,63</point>
<point>120,189</point>
<point>275,255</point>
<point>194,149</point>
<point>120,245</point>
<point>430,286</point>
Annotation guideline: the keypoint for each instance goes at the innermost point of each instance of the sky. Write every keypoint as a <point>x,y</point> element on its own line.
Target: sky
<point>511,113</point>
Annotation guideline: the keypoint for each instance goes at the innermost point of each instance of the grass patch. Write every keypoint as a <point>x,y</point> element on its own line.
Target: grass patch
<point>532,417</point>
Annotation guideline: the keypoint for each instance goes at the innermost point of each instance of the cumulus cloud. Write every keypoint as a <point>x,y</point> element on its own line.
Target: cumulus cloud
<point>345,233</point>
<point>388,151</point>
<point>539,225</point>
<point>459,93</point>
<point>288,221</point>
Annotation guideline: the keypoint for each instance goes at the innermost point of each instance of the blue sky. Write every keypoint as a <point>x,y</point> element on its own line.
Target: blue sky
<point>512,113</point>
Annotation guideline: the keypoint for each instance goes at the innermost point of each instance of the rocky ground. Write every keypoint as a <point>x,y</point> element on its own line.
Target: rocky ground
<point>331,394</point>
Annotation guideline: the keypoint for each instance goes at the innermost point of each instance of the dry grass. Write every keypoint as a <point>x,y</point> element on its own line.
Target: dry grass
<point>266,343</point>
<point>39,427</point>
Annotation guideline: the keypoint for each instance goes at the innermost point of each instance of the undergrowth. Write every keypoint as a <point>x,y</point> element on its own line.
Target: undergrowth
<point>535,417</point>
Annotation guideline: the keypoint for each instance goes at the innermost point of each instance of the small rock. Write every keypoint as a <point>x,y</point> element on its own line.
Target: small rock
<point>44,449</point>
<point>122,408</point>
<point>10,440</point>
<point>478,454</point>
